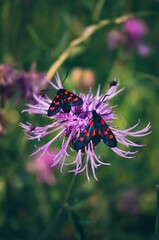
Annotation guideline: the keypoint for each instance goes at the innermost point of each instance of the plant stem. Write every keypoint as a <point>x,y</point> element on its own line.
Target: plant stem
<point>88,31</point>
<point>68,194</point>
<point>60,211</point>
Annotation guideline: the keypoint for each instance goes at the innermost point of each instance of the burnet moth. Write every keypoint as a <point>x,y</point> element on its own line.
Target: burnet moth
<point>95,131</point>
<point>64,100</point>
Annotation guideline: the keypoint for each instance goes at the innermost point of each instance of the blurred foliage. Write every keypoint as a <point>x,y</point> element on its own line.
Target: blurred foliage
<point>39,31</point>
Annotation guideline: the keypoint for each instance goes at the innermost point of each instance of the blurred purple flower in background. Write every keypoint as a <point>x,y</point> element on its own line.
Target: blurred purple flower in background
<point>7,79</point>
<point>20,84</point>
<point>114,39</point>
<point>42,167</point>
<point>15,86</point>
<point>68,126</point>
<point>135,29</point>
<point>130,37</point>
<point>129,202</point>
<point>6,74</point>
<point>30,82</point>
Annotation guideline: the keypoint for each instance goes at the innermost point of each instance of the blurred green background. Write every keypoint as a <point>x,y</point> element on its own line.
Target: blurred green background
<point>122,203</point>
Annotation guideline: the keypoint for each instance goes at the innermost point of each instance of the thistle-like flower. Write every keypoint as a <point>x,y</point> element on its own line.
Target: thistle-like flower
<point>130,37</point>
<point>68,127</point>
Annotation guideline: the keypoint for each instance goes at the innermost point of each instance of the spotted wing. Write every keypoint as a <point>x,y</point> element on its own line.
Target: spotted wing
<point>71,99</point>
<point>86,135</point>
<point>56,104</point>
<point>107,135</point>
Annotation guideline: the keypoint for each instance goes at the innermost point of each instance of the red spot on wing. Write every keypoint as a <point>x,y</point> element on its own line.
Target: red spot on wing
<point>90,123</point>
<point>66,92</point>
<point>81,139</point>
<point>64,100</point>
<point>99,132</point>
<point>111,136</point>
<point>52,108</point>
<point>57,103</point>
<point>69,98</point>
<point>108,129</point>
<point>106,133</point>
<point>94,133</point>
<point>54,101</point>
<point>86,133</point>
<point>75,99</point>
<point>57,96</point>
<point>102,121</point>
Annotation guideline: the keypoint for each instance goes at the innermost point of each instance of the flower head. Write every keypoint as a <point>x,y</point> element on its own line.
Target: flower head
<point>20,84</point>
<point>114,39</point>
<point>6,72</point>
<point>135,29</point>
<point>68,126</point>
<point>42,166</point>
<point>130,37</point>
<point>7,79</point>
<point>30,82</point>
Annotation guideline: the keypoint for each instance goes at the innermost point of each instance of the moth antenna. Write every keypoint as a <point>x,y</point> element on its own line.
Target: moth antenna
<point>67,73</point>
<point>43,92</point>
<point>102,101</point>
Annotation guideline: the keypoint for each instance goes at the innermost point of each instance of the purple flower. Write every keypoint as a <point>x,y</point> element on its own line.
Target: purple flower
<point>42,166</point>
<point>130,37</point>
<point>114,39</point>
<point>6,73</point>
<point>143,49</point>
<point>30,82</point>
<point>7,79</point>
<point>135,29</point>
<point>20,84</point>
<point>68,126</point>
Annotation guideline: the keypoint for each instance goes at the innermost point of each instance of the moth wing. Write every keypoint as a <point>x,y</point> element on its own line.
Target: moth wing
<point>56,104</point>
<point>76,101</point>
<point>96,135</point>
<point>107,135</point>
<point>86,136</point>
<point>71,99</point>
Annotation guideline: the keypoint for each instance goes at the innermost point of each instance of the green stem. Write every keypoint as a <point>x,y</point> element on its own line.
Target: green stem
<point>60,211</point>
<point>68,194</point>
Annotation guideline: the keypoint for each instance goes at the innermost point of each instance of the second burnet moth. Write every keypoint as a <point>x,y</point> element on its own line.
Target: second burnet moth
<point>95,131</point>
<point>64,100</point>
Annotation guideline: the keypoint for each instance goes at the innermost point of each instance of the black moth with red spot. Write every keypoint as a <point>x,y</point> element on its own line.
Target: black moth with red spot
<point>96,130</point>
<point>63,100</point>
